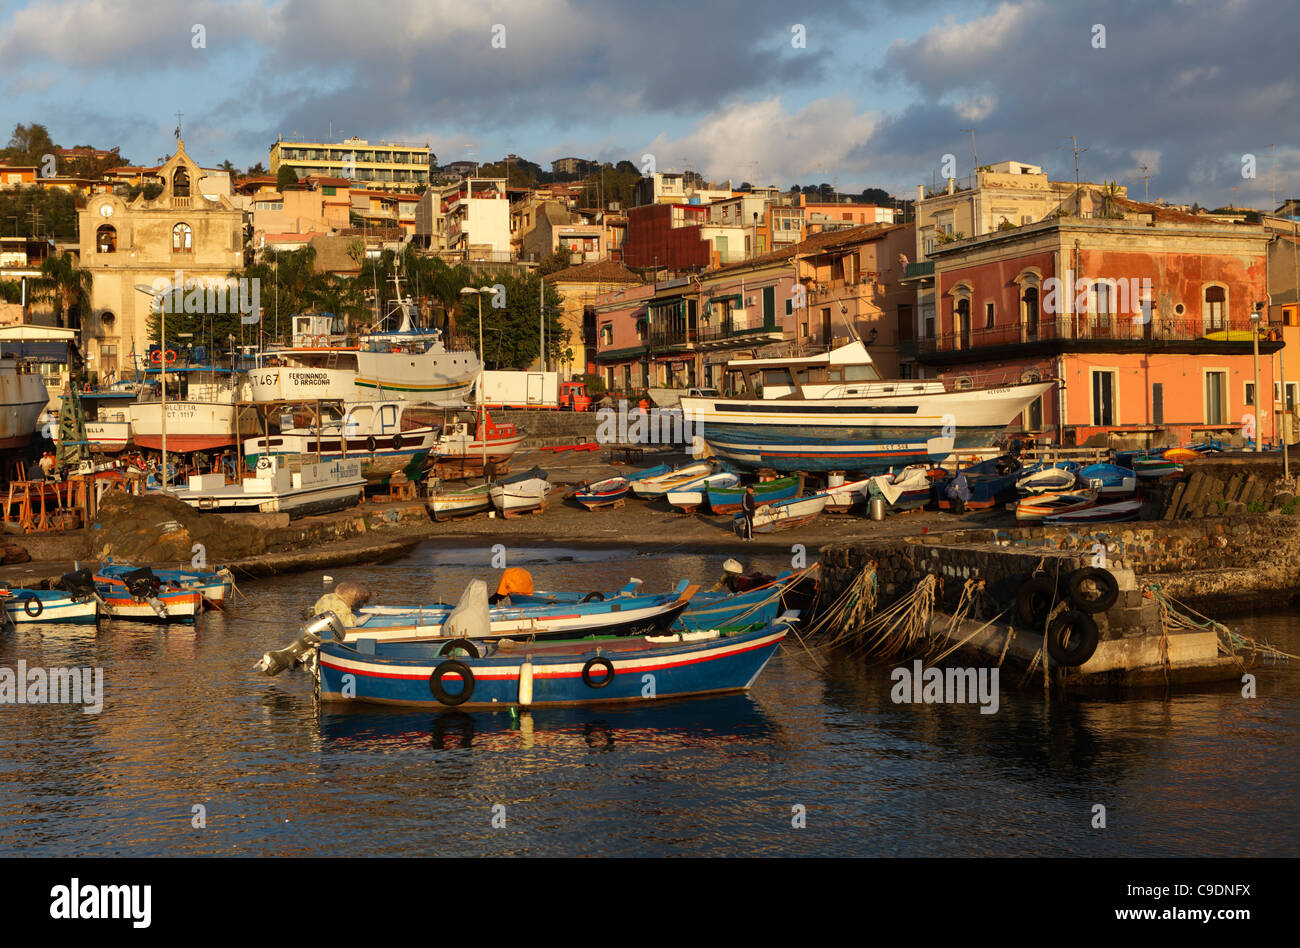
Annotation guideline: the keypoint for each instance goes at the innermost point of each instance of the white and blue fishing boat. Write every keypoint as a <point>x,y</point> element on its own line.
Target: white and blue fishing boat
<point>214,586</point>
<point>1109,478</point>
<point>693,498</point>
<point>905,489</point>
<point>833,412</point>
<point>686,477</point>
<point>624,615</point>
<point>1048,476</point>
<point>548,674</point>
<point>602,493</point>
<point>48,606</point>
<point>783,514</point>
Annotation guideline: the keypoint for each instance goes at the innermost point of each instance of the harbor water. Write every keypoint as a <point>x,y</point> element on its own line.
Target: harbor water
<point>194,753</point>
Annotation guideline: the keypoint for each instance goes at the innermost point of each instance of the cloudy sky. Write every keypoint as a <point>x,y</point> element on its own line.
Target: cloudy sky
<point>863,93</point>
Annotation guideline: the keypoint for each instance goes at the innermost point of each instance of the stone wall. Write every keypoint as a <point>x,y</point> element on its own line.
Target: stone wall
<point>546,427</point>
<point>1217,565</point>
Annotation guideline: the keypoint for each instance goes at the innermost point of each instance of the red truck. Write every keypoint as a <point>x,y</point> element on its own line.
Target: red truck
<point>574,397</point>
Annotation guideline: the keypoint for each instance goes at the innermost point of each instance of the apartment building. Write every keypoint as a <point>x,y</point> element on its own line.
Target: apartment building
<point>381,166</point>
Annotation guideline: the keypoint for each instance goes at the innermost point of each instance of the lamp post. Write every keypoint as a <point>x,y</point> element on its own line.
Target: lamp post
<point>482,414</point>
<point>162,367</point>
<point>1254,338</point>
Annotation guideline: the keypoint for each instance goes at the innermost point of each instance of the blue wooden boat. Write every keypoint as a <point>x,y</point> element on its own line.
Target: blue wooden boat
<point>213,586</point>
<point>1109,478</point>
<point>549,674</point>
<point>48,606</point>
<point>708,609</point>
<point>989,482</point>
<point>602,493</point>
<point>623,615</point>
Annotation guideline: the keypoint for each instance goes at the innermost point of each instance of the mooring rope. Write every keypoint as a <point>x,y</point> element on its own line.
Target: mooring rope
<point>1177,616</point>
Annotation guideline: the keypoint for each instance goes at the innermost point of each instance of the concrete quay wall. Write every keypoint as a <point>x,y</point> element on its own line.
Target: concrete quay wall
<point>1216,565</point>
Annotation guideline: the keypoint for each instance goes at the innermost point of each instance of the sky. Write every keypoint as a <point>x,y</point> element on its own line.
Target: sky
<point>857,93</point>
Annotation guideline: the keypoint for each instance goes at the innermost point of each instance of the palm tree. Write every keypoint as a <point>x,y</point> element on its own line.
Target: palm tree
<point>65,285</point>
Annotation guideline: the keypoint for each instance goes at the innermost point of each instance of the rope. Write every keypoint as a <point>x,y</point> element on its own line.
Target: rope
<point>1176,616</point>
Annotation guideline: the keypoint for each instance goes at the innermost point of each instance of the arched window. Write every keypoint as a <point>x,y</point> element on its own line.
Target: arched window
<point>106,239</point>
<point>181,183</point>
<point>107,320</point>
<point>1029,310</point>
<point>182,239</point>
<point>1215,307</point>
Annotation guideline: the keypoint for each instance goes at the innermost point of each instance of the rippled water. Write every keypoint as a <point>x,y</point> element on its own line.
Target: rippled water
<point>187,723</point>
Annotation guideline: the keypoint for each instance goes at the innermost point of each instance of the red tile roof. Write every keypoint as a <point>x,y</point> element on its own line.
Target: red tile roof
<point>602,271</point>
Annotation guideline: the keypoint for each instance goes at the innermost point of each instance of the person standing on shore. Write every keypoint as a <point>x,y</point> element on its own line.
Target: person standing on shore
<point>959,492</point>
<point>748,504</point>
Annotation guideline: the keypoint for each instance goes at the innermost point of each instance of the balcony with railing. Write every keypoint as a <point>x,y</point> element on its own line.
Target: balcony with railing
<point>1094,333</point>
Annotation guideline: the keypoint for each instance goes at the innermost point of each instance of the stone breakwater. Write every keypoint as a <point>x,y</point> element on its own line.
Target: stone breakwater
<point>1217,565</point>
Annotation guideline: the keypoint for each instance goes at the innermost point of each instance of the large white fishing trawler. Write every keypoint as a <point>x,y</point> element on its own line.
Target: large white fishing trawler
<point>319,364</point>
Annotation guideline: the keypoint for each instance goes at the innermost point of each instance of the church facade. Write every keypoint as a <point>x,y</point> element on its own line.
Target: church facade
<point>124,245</point>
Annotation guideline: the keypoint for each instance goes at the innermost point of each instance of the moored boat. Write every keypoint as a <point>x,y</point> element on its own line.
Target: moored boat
<point>48,606</point>
<point>215,586</point>
<point>627,669</point>
<point>280,484</point>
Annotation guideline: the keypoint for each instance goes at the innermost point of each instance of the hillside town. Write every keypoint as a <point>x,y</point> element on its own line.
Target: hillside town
<point>1149,313</point>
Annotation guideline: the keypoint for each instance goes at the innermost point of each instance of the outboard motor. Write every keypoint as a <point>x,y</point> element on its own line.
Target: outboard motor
<point>80,585</point>
<point>309,636</point>
<point>143,586</point>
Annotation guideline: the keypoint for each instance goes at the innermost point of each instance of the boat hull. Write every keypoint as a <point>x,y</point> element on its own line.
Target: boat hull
<point>728,500</point>
<point>50,606</point>
<point>642,671</point>
<point>191,426</point>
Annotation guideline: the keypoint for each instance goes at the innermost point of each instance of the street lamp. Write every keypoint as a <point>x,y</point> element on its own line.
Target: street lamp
<point>480,293</point>
<point>162,366</point>
<point>1254,338</point>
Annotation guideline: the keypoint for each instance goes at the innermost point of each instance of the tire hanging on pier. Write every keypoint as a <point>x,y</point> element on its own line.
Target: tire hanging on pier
<point>1092,589</point>
<point>1072,638</point>
<point>450,667</point>
<point>1034,601</point>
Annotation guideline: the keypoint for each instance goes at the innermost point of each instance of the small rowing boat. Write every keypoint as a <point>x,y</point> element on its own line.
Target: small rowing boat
<point>1038,506</point>
<point>689,501</point>
<point>783,514</point>
<point>602,493</point>
<point>48,606</point>
<point>1052,478</point>
<point>446,504</point>
<point>1115,511</point>
<point>844,497</point>
<point>683,478</point>
<point>726,500</point>
<point>1109,478</point>
<point>521,493</point>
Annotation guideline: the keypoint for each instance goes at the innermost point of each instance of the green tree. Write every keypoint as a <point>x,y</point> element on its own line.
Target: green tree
<point>510,332</point>
<point>285,178</point>
<point>55,213</point>
<point>66,286</point>
<point>258,168</point>
<point>561,259</point>
<point>29,144</point>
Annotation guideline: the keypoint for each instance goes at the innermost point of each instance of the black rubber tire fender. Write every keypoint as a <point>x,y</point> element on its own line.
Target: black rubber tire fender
<point>27,605</point>
<point>444,669</point>
<point>1034,601</point>
<point>397,442</point>
<point>594,596</point>
<point>454,644</point>
<point>1105,582</point>
<point>1072,638</point>
<point>371,444</point>
<point>592,663</point>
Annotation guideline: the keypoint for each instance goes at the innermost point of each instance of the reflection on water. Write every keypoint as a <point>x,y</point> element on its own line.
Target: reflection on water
<point>189,733</point>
